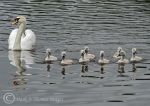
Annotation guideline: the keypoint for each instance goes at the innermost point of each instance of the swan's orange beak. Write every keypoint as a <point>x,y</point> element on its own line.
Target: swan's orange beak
<point>15,21</point>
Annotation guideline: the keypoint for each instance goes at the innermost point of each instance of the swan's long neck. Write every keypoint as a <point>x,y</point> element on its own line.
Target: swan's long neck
<point>21,30</point>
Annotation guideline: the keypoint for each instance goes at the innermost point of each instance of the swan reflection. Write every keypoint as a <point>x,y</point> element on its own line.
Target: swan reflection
<point>17,58</point>
<point>21,60</point>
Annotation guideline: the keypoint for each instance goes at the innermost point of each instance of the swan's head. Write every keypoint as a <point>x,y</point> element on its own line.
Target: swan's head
<point>48,51</point>
<point>86,49</point>
<point>134,50</point>
<point>63,54</point>
<point>19,20</point>
<point>101,53</point>
<point>82,53</point>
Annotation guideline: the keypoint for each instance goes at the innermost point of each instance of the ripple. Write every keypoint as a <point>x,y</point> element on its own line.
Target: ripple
<point>128,94</point>
<point>115,101</point>
<point>142,79</point>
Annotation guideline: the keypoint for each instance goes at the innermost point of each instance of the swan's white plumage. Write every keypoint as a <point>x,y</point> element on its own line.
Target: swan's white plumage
<point>123,60</point>
<point>49,57</point>
<point>83,59</point>
<point>135,58</point>
<point>87,54</point>
<point>65,61</point>
<point>102,60</point>
<point>90,56</point>
<point>27,40</point>
<point>116,54</point>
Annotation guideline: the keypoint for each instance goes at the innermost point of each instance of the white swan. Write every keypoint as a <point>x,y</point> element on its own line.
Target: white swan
<point>87,54</point>
<point>102,60</point>
<point>49,57</point>
<point>83,60</point>
<point>65,61</point>
<point>135,58</point>
<point>21,39</point>
<point>116,54</point>
<point>123,60</point>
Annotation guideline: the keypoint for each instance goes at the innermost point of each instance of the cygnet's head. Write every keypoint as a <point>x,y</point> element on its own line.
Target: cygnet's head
<point>48,50</point>
<point>19,20</point>
<point>119,49</point>
<point>82,53</point>
<point>101,53</point>
<point>63,54</point>
<point>122,53</point>
<point>86,48</point>
<point>134,50</point>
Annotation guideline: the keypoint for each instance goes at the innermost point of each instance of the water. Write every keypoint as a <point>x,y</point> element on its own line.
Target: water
<point>70,25</point>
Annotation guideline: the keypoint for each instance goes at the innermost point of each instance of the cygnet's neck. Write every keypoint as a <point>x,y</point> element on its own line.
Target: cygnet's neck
<point>48,54</point>
<point>21,30</point>
<point>86,52</point>
<point>122,57</point>
<point>63,58</point>
<point>101,57</point>
<point>82,56</point>
<point>133,54</point>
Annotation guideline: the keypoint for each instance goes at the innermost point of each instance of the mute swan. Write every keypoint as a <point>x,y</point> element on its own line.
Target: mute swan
<point>21,39</point>
<point>116,54</point>
<point>87,54</point>
<point>123,60</point>
<point>135,58</point>
<point>102,60</point>
<point>83,60</point>
<point>65,61</point>
<point>49,57</point>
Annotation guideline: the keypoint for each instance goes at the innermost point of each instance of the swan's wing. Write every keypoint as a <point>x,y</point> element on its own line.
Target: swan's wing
<point>12,38</point>
<point>28,40</point>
